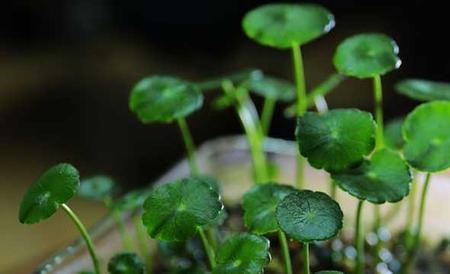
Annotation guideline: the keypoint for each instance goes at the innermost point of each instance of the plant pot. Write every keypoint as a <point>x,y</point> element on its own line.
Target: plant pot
<point>228,160</point>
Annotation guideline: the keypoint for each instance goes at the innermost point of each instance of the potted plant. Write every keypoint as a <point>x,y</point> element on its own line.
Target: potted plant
<point>191,223</point>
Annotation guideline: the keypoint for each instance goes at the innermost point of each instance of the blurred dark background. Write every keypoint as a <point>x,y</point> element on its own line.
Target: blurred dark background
<point>66,69</point>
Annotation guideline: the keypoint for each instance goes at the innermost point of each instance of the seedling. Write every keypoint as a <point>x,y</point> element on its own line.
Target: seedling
<point>426,131</point>
<point>243,253</point>
<point>289,26</point>
<point>308,216</point>
<point>126,263</point>
<point>178,211</point>
<point>259,205</point>
<point>424,90</point>
<point>166,99</point>
<point>48,193</point>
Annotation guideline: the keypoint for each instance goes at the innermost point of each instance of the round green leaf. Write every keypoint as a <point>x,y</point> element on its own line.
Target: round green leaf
<point>164,99</point>
<point>55,187</point>
<point>174,211</point>
<point>126,263</point>
<point>243,253</point>
<point>385,178</point>
<point>308,216</point>
<point>97,188</point>
<point>393,137</point>
<point>426,131</point>
<point>336,139</point>
<point>282,25</point>
<point>367,55</point>
<point>329,272</point>
<point>260,204</point>
<point>272,88</point>
<point>424,90</point>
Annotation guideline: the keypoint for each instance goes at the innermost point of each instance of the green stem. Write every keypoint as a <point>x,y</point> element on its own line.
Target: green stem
<point>378,97</point>
<point>299,75</point>
<point>189,144</point>
<point>333,190</point>
<point>86,237</point>
<point>208,249</point>
<point>285,252</point>
<point>266,115</point>
<point>123,231</point>
<point>411,211</point>
<point>250,122</point>
<point>411,255</point>
<point>359,238</point>
<point>141,236</point>
<point>306,258</point>
<point>324,88</point>
<point>212,237</point>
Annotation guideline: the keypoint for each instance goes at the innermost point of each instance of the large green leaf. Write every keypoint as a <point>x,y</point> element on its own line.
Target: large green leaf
<point>393,136</point>
<point>308,216</point>
<point>426,131</point>
<point>55,187</point>
<point>126,263</point>
<point>243,253</point>
<point>424,90</point>
<point>272,88</point>
<point>174,211</point>
<point>336,139</point>
<point>164,99</point>
<point>385,178</point>
<point>97,188</point>
<point>282,25</point>
<point>260,204</point>
<point>367,55</point>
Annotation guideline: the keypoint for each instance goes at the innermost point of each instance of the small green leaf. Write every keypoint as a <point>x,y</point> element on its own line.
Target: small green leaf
<point>260,204</point>
<point>97,188</point>
<point>174,211</point>
<point>385,178</point>
<point>282,25</point>
<point>126,263</point>
<point>131,201</point>
<point>336,139</point>
<point>393,137</point>
<point>366,55</point>
<point>308,216</point>
<point>424,90</point>
<point>272,88</point>
<point>243,253</point>
<point>55,187</point>
<point>329,272</point>
<point>426,131</point>
<point>164,99</point>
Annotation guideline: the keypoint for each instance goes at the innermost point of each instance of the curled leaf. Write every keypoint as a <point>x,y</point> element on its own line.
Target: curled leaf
<point>55,187</point>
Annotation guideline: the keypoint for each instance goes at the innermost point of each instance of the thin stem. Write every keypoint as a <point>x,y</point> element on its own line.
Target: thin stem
<point>410,213</point>
<point>189,144</point>
<point>285,252</point>
<point>85,235</point>
<point>208,249</point>
<point>324,88</point>
<point>333,190</point>
<point>359,238</point>
<point>142,242</point>
<point>301,103</point>
<point>250,122</point>
<point>266,115</point>
<point>417,236</point>
<point>123,231</point>
<point>378,97</point>
<point>212,237</point>
<point>306,258</point>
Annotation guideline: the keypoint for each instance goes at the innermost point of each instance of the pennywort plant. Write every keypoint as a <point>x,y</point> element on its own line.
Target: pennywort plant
<point>50,192</point>
<point>372,163</point>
